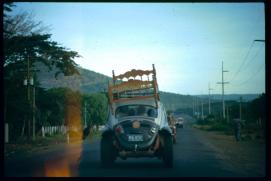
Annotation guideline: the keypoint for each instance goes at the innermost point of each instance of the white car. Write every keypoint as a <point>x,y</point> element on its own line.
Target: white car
<point>180,122</point>
<point>137,122</point>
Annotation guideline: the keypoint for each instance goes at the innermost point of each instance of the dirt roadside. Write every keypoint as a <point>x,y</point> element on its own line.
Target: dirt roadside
<point>41,145</point>
<point>247,156</point>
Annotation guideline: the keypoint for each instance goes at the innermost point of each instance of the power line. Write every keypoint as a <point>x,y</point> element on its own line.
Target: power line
<point>252,75</point>
<point>244,60</point>
<point>257,53</point>
<point>251,60</point>
<point>258,70</point>
<point>252,43</point>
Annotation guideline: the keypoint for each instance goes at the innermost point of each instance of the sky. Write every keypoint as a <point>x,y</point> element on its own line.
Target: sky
<point>187,42</point>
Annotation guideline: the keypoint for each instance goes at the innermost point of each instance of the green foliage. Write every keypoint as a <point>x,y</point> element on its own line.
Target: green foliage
<point>210,124</point>
<point>38,48</point>
<point>257,108</point>
<point>23,41</point>
<point>96,107</point>
<point>220,126</point>
<point>52,107</point>
<point>251,112</point>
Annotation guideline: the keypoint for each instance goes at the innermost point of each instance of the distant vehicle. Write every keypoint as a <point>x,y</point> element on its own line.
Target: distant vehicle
<point>172,125</point>
<point>137,121</point>
<point>179,122</point>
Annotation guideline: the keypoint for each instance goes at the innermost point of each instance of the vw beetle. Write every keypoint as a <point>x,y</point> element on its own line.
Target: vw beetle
<point>137,123</point>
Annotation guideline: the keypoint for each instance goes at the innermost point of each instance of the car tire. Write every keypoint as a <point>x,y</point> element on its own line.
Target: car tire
<point>168,151</point>
<point>108,151</point>
<point>174,139</point>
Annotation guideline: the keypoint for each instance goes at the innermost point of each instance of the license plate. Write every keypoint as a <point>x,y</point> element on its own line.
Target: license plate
<point>135,137</point>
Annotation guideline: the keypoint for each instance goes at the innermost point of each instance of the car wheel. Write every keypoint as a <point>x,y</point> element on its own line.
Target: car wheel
<point>174,139</point>
<point>108,151</point>
<point>168,151</point>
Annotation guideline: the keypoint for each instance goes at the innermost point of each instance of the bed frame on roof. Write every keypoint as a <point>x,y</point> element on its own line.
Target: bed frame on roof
<point>133,89</point>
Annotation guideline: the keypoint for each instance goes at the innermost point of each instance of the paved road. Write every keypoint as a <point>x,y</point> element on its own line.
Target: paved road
<point>193,157</point>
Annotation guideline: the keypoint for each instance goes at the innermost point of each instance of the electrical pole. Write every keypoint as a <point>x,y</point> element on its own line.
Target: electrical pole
<point>240,108</point>
<point>34,111</point>
<point>209,89</point>
<point>29,81</point>
<point>228,119</point>
<point>202,115</point>
<point>222,83</point>
<point>28,77</point>
<point>85,122</point>
<point>197,106</point>
<point>193,107</point>
<point>28,93</point>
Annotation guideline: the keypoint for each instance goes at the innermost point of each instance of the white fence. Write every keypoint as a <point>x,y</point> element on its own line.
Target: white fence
<point>101,127</point>
<point>60,129</point>
<point>53,130</point>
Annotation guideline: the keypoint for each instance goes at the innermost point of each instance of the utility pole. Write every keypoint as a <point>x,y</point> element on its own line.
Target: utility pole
<point>240,108</point>
<point>228,119</point>
<point>197,107</point>
<point>29,81</point>
<point>85,116</point>
<point>222,83</point>
<point>202,114</point>
<point>209,89</point>
<point>28,78</point>
<point>34,112</point>
<point>193,107</point>
<point>28,92</point>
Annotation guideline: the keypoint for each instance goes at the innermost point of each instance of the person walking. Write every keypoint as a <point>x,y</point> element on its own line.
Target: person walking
<point>237,129</point>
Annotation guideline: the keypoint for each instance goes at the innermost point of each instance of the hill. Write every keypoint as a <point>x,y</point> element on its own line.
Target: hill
<point>87,82</point>
<point>90,82</point>
<point>232,97</point>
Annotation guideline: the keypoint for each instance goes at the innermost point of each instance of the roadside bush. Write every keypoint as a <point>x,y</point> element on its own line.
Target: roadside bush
<point>220,126</point>
<point>205,121</point>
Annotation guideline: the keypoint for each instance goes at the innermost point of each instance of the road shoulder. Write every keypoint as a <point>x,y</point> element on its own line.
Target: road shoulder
<point>247,156</point>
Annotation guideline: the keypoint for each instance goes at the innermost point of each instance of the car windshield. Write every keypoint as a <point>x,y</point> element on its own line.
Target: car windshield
<point>136,110</point>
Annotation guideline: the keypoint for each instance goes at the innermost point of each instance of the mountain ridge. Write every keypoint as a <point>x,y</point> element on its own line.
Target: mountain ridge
<point>90,82</point>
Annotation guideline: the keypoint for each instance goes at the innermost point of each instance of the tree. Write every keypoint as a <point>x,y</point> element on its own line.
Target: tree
<point>51,104</point>
<point>97,108</point>
<point>37,48</point>
<point>257,109</point>
<point>25,43</point>
<point>24,38</point>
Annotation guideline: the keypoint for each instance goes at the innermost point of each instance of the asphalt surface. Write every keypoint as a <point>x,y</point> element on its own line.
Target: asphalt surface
<point>193,157</point>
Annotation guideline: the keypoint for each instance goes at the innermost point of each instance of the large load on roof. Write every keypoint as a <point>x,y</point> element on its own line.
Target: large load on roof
<point>134,85</point>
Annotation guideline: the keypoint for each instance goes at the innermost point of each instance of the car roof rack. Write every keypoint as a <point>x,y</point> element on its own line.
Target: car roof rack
<point>126,87</point>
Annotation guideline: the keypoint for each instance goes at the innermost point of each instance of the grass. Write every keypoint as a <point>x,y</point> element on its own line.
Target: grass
<point>25,146</point>
<point>247,132</point>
